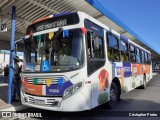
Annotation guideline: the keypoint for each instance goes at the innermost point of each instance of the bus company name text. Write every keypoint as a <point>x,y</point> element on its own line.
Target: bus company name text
<point>143,114</point>
<point>46,26</point>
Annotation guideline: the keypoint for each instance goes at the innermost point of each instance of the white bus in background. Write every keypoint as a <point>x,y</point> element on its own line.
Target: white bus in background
<point>72,62</point>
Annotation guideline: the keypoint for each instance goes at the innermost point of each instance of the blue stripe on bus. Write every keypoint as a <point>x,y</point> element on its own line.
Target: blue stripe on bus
<point>61,14</point>
<point>57,90</point>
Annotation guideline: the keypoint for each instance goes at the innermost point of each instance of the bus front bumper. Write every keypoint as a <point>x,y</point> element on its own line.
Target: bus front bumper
<point>76,102</point>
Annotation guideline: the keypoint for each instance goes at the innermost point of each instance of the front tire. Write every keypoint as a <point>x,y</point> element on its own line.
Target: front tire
<point>114,96</point>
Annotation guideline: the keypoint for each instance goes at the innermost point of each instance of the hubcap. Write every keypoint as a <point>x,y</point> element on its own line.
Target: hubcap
<point>113,95</point>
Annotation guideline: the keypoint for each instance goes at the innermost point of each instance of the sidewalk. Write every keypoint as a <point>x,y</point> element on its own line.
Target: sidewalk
<point>4,106</point>
<point>11,107</point>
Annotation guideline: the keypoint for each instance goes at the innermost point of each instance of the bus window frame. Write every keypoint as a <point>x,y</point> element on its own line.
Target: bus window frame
<point>103,42</point>
<point>126,52</point>
<point>139,55</point>
<point>118,42</point>
<point>130,44</point>
<point>142,62</point>
<point>146,57</point>
<point>94,59</point>
<point>149,58</point>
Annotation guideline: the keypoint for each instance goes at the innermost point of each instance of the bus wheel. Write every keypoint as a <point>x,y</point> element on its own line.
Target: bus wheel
<point>144,82</point>
<point>113,96</point>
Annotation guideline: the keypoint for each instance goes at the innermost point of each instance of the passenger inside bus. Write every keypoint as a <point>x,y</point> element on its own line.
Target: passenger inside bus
<point>113,54</point>
<point>65,49</point>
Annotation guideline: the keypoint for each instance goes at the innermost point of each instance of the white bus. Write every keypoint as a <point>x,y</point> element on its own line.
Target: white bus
<point>72,62</point>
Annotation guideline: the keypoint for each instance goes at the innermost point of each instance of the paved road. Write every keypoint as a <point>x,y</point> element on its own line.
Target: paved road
<point>142,100</point>
<point>136,100</point>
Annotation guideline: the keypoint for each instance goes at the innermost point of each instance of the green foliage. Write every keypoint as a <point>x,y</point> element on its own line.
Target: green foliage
<point>102,98</point>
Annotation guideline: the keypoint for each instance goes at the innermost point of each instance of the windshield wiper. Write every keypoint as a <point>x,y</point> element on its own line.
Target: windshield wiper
<point>56,36</point>
<point>53,41</point>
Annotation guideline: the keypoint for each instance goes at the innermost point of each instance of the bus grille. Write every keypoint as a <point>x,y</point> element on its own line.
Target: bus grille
<point>47,102</point>
<point>42,79</point>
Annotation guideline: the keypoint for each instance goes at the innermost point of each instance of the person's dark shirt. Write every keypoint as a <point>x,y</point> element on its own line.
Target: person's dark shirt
<point>6,71</point>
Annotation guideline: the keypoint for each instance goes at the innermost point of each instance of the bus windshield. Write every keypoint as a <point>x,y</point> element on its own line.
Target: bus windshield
<point>62,54</point>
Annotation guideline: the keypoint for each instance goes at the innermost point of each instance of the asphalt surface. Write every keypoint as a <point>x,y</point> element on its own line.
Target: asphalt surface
<point>135,101</point>
<point>3,89</point>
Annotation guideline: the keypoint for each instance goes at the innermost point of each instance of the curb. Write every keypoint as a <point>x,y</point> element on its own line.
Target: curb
<point>14,108</point>
<point>3,84</point>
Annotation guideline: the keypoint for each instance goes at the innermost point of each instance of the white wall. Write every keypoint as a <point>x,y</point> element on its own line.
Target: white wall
<point>7,59</point>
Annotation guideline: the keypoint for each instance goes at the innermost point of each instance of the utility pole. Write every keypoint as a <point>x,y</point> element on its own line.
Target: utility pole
<point>11,54</point>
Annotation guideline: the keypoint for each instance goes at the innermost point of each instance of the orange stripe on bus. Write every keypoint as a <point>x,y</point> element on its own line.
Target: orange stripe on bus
<point>41,19</point>
<point>32,89</point>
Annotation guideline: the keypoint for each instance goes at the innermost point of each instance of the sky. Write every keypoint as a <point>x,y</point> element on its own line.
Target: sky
<point>142,16</point>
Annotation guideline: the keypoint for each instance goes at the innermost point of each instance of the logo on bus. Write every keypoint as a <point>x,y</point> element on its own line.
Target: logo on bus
<point>54,90</point>
<point>127,69</point>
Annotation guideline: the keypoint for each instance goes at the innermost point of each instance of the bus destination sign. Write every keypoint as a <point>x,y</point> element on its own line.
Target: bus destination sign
<point>50,25</point>
<point>54,22</point>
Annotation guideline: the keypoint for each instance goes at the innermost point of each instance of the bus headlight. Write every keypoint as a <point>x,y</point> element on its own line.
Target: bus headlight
<point>71,90</point>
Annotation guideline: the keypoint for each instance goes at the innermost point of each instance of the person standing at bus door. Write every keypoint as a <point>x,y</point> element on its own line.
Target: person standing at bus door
<point>6,72</point>
<point>16,80</point>
<point>20,69</point>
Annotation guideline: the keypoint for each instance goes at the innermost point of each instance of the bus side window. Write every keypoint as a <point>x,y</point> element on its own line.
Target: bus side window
<point>146,58</point>
<point>132,54</point>
<point>113,48</point>
<point>142,56</point>
<point>124,51</point>
<point>98,49</point>
<point>149,58</point>
<point>95,52</point>
<point>138,60</point>
<point>95,46</point>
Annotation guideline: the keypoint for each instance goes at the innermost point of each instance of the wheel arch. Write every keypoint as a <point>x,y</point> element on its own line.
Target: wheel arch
<point>117,82</point>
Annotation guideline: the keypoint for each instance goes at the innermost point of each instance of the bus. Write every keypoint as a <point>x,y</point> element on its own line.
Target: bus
<point>73,62</point>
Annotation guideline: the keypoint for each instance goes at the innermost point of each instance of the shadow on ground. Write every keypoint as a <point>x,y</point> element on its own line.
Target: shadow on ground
<point>121,110</point>
<point>4,93</point>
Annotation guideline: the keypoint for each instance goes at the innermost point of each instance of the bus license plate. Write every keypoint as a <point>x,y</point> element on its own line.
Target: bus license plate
<point>39,102</point>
